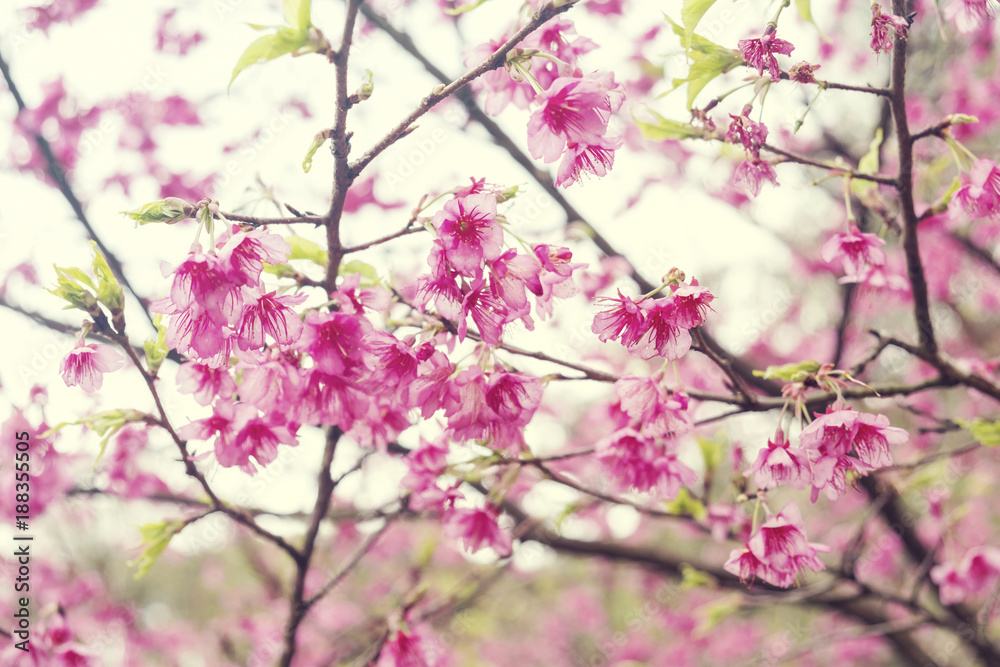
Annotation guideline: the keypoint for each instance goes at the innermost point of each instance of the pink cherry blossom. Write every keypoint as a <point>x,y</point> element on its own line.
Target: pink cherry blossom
<point>644,464</point>
<point>625,320</point>
<point>778,551</point>
<point>205,382</point>
<point>860,253</point>
<point>752,173</point>
<point>980,195</point>
<point>759,53</point>
<point>477,529</point>
<point>780,463</point>
<point>267,314</point>
<point>487,313</point>
<point>882,25</point>
<point>973,575</point>
<point>572,110</point>
<point>595,158</point>
<point>469,232</point>
<point>85,365</point>
<point>665,336</point>
<point>334,340</point>
<point>245,253</point>
<point>750,134</point>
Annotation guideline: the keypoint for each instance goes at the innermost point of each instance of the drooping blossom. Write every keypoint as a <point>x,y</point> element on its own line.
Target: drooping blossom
<point>753,172</point>
<point>413,646</point>
<point>85,365</point>
<point>860,253</point>
<point>487,312</point>
<point>644,464</point>
<point>690,304</point>
<point>393,364</point>
<point>478,528</point>
<point>652,410</point>
<point>245,253</point>
<point>979,197</point>
<point>440,287</point>
<point>624,320</point>
<point>664,336</point>
<point>328,398</point>
<point>759,53</point>
<point>573,110</point>
<point>554,278</point>
<point>512,274</point>
<point>882,25</point>
<point>742,130</point>
<point>469,232</point>
<point>595,158</point>
<point>833,435</point>
<point>778,551</point>
<point>973,575</point>
<point>780,463</point>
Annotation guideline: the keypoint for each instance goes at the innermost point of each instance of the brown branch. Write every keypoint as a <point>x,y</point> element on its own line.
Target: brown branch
<point>406,231</point>
<point>298,606</point>
<point>904,184</point>
<point>497,59</point>
<point>802,159</point>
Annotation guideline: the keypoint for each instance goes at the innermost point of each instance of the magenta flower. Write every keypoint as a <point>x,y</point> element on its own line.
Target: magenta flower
<point>245,253</point>
<point>595,158</point>
<point>478,529</point>
<point>511,275</point>
<point>780,463</point>
<point>393,363</point>
<point>651,408</point>
<point>643,464</point>
<point>513,397</point>
<point>441,286</point>
<point>624,320</point>
<point>85,365</point>
<point>970,577</point>
<point>203,282</point>
<point>573,110</point>
<point>831,436</point>
<point>882,25</point>
<point>271,315</point>
<point>487,312</point>
<point>257,438</point>
<point>859,252</point>
<point>330,399</point>
<point>744,131</point>
<point>690,304</point>
<point>205,382</point>
<point>334,342</point>
<point>980,196</point>
<point>759,53</point>
<point>665,336</point>
<point>778,551</point>
<point>753,173</point>
<point>469,232</point>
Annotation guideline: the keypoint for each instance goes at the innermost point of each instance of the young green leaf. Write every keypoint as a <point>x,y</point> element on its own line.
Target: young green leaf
<point>155,538</point>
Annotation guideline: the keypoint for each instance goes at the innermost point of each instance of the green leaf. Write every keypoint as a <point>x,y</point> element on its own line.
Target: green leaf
<point>708,60</point>
<point>307,161</point>
<point>369,276</point>
<point>692,577</point>
<point>685,505</point>
<point>691,13</point>
<point>269,47</point>
<point>280,270</point>
<point>789,372</point>
<point>167,211</point>
<point>713,451</point>
<point>109,291</point>
<point>155,538</point>
<point>455,11</point>
<point>304,249</point>
<point>156,349</point>
<point>985,432</point>
<point>665,128</point>
<point>868,164</point>
<point>805,11</point>
<point>717,611</point>
<point>69,290</point>
<point>297,14</point>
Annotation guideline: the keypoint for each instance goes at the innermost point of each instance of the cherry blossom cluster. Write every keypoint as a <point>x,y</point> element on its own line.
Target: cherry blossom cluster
<point>473,277</point>
<point>751,135</point>
<point>571,110</point>
<point>655,327</point>
<point>642,451</point>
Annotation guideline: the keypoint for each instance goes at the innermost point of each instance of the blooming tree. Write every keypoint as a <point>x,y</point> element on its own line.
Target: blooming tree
<point>407,403</point>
